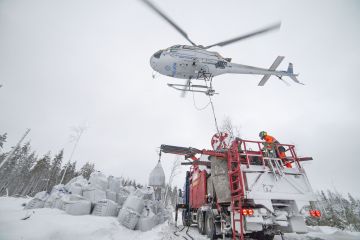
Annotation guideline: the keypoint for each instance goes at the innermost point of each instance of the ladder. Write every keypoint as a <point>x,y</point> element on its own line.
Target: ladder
<point>275,166</point>
<point>237,190</point>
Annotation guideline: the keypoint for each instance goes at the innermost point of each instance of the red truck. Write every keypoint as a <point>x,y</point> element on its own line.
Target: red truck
<point>245,190</point>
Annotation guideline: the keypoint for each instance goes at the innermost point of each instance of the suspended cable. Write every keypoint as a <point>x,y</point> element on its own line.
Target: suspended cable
<point>198,108</point>
<point>213,111</point>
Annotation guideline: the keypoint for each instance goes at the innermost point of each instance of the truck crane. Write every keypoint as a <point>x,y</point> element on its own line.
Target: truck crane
<point>244,190</point>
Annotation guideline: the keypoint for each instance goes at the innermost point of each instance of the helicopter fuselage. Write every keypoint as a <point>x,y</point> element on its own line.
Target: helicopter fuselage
<point>193,62</point>
<point>186,62</point>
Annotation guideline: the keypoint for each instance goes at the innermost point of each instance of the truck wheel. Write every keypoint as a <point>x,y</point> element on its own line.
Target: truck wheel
<point>210,225</point>
<point>201,222</point>
<point>186,218</point>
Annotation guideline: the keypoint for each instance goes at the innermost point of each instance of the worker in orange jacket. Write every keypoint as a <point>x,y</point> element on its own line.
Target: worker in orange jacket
<point>271,142</point>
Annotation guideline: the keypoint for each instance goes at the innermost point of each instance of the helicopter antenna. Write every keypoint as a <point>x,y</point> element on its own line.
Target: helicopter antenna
<point>166,18</point>
<point>249,35</point>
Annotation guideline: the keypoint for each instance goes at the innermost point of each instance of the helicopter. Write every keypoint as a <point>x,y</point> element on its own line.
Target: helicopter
<point>196,62</point>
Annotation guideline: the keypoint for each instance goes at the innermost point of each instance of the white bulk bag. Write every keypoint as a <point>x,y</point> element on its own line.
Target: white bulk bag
<point>139,193</point>
<point>148,193</point>
<point>98,180</point>
<point>81,207</point>
<point>76,185</point>
<point>146,223</point>
<point>111,195</point>
<point>79,180</point>
<point>105,208</point>
<point>114,184</point>
<point>35,203</point>
<point>93,194</point>
<point>58,188</point>
<point>58,203</point>
<point>128,218</point>
<point>122,195</point>
<point>134,203</point>
<point>54,200</point>
<point>42,195</point>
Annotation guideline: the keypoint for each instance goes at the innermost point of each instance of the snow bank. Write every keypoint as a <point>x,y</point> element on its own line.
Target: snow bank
<point>45,224</point>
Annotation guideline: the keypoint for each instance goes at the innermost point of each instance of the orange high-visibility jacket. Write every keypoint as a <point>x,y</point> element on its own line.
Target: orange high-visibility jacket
<point>270,139</point>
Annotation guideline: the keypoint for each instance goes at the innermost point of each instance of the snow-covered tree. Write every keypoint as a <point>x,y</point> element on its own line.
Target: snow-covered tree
<point>2,140</point>
<point>39,175</point>
<point>87,169</point>
<point>337,211</point>
<point>54,171</point>
<point>70,172</point>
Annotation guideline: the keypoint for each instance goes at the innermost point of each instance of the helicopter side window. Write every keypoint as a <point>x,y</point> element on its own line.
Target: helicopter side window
<point>158,54</point>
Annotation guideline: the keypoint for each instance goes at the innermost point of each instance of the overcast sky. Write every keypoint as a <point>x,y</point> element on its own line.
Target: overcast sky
<point>73,62</point>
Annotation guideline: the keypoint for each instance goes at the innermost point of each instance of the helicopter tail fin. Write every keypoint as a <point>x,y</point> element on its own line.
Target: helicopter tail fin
<point>293,76</point>
<point>273,67</point>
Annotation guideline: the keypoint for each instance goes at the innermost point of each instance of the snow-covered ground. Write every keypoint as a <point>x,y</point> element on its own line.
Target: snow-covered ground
<point>54,224</point>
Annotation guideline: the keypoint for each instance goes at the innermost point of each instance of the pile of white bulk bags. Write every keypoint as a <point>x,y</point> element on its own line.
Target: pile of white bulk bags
<point>105,208</point>
<point>135,208</point>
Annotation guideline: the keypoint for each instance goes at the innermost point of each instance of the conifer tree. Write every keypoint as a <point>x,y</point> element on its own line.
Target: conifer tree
<point>54,171</point>
<point>87,169</point>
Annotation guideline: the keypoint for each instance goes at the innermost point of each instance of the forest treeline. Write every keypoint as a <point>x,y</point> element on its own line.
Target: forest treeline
<point>337,211</point>
<point>26,173</point>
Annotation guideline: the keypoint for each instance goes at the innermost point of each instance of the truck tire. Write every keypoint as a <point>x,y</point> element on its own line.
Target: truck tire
<point>186,218</point>
<point>201,222</point>
<point>210,225</point>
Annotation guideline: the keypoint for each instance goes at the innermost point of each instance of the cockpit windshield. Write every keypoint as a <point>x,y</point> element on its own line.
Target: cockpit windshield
<point>175,46</point>
<point>158,54</point>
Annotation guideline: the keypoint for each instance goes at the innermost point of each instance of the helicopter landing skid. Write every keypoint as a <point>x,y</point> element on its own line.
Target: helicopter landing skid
<point>194,88</point>
<point>189,87</point>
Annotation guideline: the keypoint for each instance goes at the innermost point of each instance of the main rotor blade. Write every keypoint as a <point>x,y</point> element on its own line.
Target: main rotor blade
<point>249,35</point>
<point>182,32</point>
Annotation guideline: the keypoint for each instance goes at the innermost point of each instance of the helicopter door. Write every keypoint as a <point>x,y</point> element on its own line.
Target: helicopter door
<point>186,69</point>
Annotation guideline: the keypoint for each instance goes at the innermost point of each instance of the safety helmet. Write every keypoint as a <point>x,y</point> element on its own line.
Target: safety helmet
<point>262,134</point>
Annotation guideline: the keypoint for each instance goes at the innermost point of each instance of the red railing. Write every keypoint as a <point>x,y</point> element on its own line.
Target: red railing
<point>262,151</point>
